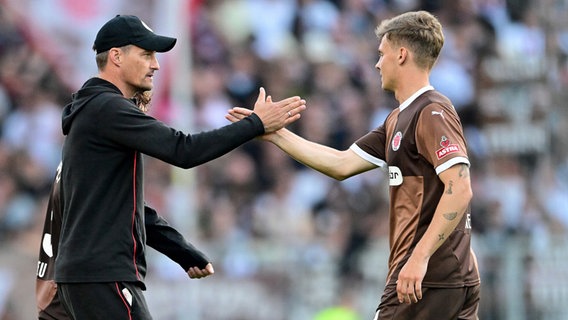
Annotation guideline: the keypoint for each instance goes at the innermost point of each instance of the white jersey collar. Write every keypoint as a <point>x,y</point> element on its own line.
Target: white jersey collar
<point>413,97</point>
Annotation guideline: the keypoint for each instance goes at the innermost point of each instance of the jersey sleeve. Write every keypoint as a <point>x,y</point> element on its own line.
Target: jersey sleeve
<point>371,147</point>
<point>440,138</point>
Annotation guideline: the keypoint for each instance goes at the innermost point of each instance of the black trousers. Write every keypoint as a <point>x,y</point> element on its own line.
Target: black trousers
<point>109,300</point>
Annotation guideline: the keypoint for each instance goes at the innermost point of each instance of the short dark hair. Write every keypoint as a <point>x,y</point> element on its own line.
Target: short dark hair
<point>102,58</point>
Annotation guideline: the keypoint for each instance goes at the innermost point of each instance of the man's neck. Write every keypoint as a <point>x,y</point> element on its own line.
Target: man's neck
<point>402,96</point>
<point>409,84</point>
<point>119,84</point>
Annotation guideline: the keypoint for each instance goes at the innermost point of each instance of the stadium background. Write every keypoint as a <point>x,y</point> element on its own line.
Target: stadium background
<point>288,243</point>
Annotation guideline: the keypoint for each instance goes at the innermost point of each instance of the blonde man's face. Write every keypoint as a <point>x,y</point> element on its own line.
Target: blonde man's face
<point>387,64</point>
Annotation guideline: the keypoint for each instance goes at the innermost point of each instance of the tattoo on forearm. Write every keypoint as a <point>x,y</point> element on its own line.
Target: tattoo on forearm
<point>441,236</point>
<point>450,185</point>
<point>450,216</point>
<point>464,171</point>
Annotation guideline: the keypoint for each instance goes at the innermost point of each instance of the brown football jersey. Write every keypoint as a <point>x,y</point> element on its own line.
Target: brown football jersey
<point>417,141</point>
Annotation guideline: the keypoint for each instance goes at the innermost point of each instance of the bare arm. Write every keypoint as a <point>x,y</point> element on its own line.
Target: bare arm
<point>334,163</point>
<point>453,204</point>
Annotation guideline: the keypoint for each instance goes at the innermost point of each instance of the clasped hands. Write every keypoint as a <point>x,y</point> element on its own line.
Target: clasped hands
<point>274,114</point>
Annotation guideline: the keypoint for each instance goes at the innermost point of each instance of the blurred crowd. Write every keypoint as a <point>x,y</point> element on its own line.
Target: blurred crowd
<point>294,240</point>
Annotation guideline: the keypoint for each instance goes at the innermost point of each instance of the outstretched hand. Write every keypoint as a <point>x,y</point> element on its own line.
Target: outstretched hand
<point>197,273</point>
<point>276,115</point>
<point>239,113</point>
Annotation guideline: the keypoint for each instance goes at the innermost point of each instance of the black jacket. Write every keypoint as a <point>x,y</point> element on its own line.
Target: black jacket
<point>160,236</point>
<point>103,237</point>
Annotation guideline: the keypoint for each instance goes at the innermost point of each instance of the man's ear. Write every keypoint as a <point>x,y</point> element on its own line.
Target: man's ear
<point>115,56</point>
<point>402,55</point>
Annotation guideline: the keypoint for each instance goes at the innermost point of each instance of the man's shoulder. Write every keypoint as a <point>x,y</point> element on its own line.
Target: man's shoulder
<point>109,98</point>
<point>433,97</point>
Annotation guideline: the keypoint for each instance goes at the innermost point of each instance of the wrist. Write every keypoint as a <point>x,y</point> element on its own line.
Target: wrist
<point>421,254</point>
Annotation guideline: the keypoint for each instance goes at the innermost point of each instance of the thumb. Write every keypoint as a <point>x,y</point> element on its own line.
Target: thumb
<point>209,268</point>
<point>261,95</point>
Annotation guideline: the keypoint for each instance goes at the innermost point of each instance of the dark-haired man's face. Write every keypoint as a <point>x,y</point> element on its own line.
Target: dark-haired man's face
<point>138,68</point>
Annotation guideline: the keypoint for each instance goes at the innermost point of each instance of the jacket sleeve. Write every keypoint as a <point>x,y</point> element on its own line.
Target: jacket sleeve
<point>167,240</point>
<point>119,121</point>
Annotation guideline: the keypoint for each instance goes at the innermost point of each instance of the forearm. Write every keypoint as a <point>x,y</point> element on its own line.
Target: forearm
<point>168,241</point>
<point>209,145</point>
<point>449,212</point>
<point>448,215</point>
<point>329,161</point>
<point>172,244</point>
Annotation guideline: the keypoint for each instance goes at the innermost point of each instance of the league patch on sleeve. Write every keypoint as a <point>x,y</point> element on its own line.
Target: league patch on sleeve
<point>447,148</point>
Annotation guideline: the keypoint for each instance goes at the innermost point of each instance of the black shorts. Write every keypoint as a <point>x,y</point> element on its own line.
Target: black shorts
<point>54,311</point>
<point>112,300</point>
<point>48,304</point>
<point>437,303</point>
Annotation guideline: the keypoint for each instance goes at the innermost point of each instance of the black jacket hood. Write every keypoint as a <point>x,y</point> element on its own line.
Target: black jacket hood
<point>92,88</point>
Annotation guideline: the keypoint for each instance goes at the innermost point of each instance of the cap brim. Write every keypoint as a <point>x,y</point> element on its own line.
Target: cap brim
<point>157,43</point>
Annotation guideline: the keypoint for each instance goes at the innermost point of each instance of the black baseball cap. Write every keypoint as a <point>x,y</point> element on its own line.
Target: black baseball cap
<point>123,30</point>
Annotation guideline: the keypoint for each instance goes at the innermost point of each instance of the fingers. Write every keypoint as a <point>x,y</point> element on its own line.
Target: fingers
<point>237,113</point>
<point>261,96</point>
<point>294,110</point>
<point>231,118</point>
<point>240,113</point>
<point>418,290</point>
<point>292,106</point>
<point>408,292</point>
<point>209,268</point>
<point>274,114</point>
<point>197,273</point>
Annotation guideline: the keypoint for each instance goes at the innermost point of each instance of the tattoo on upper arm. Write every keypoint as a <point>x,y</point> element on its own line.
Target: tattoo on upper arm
<point>441,236</point>
<point>450,185</point>
<point>464,171</point>
<point>450,216</point>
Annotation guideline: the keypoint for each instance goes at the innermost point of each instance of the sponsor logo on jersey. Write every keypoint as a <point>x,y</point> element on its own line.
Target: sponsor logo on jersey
<point>395,176</point>
<point>447,148</point>
<point>396,141</point>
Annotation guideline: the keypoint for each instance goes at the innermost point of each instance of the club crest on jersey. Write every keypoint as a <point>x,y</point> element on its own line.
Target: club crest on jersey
<point>447,148</point>
<point>396,141</point>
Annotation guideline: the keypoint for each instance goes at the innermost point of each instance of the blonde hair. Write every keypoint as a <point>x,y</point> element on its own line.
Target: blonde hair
<point>419,30</point>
